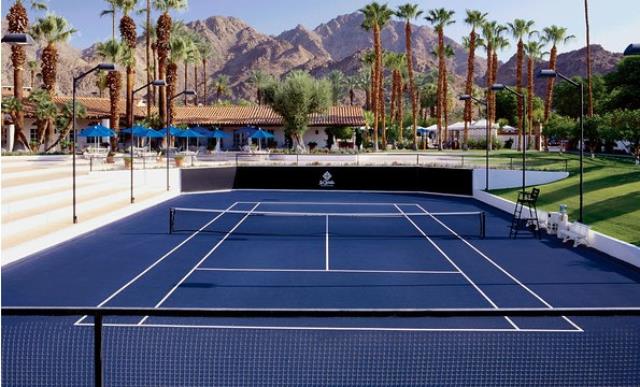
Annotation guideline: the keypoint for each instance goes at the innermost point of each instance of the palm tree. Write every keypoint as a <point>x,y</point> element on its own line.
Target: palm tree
<point>337,80</point>
<point>192,56</point>
<point>45,112</point>
<point>519,29</point>
<point>368,61</point>
<point>114,51</point>
<point>352,83</point>
<point>178,52</point>
<point>409,12</point>
<point>396,63</point>
<point>534,52</point>
<point>376,16</point>
<point>111,12</point>
<point>363,80</point>
<point>101,82</point>
<point>474,19</point>
<point>18,22</point>
<point>65,120</point>
<point>440,18</point>
<point>221,86</point>
<point>553,35</point>
<point>129,37</point>
<point>147,37</point>
<point>33,70</point>
<point>259,79</point>
<point>51,29</point>
<point>205,52</point>
<point>163,43</point>
<point>448,53</point>
<point>589,64</point>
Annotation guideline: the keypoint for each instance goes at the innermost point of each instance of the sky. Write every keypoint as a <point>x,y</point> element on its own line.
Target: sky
<point>614,23</point>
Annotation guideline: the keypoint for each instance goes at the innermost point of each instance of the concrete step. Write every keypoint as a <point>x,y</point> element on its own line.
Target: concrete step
<point>37,225</point>
<point>46,175</point>
<point>35,189</point>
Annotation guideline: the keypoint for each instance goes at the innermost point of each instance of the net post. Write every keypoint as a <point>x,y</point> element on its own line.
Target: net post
<point>97,349</point>
<point>172,220</point>
<point>483,225</point>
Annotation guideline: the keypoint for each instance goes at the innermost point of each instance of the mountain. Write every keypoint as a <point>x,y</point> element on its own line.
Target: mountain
<point>572,63</point>
<point>336,45</point>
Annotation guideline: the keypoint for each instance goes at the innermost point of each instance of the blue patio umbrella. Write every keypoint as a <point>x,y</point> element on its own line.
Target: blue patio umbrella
<point>189,133</point>
<point>248,130</point>
<point>216,133</point>
<point>154,134</point>
<point>260,135</point>
<point>173,131</point>
<point>138,131</point>
<point>422,131</point>
<point>97,131</point>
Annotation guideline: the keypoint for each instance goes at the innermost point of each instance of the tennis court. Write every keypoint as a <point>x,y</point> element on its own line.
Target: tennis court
<point>332,251</point>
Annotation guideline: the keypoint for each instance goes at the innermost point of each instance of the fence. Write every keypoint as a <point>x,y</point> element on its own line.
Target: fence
<point>255,346</point>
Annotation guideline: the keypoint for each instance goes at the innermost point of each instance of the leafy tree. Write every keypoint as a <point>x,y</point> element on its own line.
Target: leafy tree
<point>627,122</point>
<point>64,121</point>
<point>566,97</point>
<point>507,107</point>
<point>623,85</point>
<point>594,131</point>
<point>295,98</point>
<point>337,79</point>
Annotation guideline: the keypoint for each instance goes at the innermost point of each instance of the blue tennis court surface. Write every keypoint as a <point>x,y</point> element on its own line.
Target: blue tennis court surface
<point>322,250</point>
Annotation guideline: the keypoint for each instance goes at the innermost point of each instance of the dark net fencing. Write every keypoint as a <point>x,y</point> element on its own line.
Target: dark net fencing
<point>178,348</point>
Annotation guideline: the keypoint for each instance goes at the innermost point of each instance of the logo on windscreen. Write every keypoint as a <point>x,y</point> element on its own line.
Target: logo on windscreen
<point>327,180</point>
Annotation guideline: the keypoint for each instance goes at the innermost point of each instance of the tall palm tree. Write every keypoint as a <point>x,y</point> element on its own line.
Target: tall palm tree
<point>475,20</point>
<point>409,12</point>
<point>178,52</point>
<point>553,35</point>
<point>129,37</point>
<point>221,86</point>
<point>18,22</point>
<point>101,82</point>
<point>449,53</point>
<point>53,30</point>
<point>163,43</point>
<point>519,30</point>
<point>534,52</point>
<point>115,52</point>
<point>363,79</point>
<point>391,62</point>
<point>259,79</point>
<point>33,70</point>
<point>205,53</point>
<point>589,64</point>
<point>147,38</point>
<point>440,18</point>
<point>192,57</point>
<point>352,83</point>
<point>337,80</point>
<point>376,17</point>
<point>368,62</point>
<point>111,11</point>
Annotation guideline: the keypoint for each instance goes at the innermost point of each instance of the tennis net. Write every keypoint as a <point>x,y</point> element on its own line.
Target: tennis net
<point>431,224</point>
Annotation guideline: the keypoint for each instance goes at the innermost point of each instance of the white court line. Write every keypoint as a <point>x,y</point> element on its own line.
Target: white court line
<point>200,262</point>
<point>134,279</point>
<point>513,278</point>
<point>326,249</point>
<point>241,270</point>
<point>333,203</point>
<point>312,328</point>
<point>456,266</point>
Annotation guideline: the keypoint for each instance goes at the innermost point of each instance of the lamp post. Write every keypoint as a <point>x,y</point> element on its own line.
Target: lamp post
<point>550,73</point>
<point>169,99</point>
<point>501,87</point>
<point>156,83</point>
<point>482,102</point>
<point>15,39</point>
<point>633,49</point>
<point>101,67</point>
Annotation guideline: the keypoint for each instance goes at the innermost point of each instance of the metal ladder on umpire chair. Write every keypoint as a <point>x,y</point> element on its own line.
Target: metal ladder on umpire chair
<point>528,199</point>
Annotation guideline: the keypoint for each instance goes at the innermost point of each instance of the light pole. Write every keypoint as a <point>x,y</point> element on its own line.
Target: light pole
<point>156,83</point>
<point>550,73</point>
<point>101,67</point>
<point>482,102</point>
<point>501,87</point>
<point>169,99</point>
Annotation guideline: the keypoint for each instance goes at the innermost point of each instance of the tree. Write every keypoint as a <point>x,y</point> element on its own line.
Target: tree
<point>64,121</point>
<point>507,107</point>
<point>52,30</point>
<point>13,107</point>
<point>376,17</point>
<point>297,97</point>
<point>111,11</point>
<point>352,83</point>
<point>553,35</point>
<point>178,45</point>
<point>337,80</point>
<point>623,85</point>
<point>129,37</point>
<point>565,96</point>
<point>101,82</point>
<point>205,51</point>
<point>533,49</point>
<point>519,30</point>
<point>147,38</point>
<point>221,86</point>
<point>163,43</point>
<point>475,20</point>
<point>559,127</point>
<point>45,112</point>
<point>113,51</point>
<point>491,33</point>
<point>368,65</point>
<point>441,18</point>
<point>260,80</point>
<point>593,132</point>
<point>589,64</point>
<point>628,124</point>
<point>409,12</point>
<point>18,22</point>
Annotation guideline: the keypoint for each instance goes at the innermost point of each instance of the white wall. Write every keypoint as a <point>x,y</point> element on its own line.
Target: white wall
<point>502,178</point>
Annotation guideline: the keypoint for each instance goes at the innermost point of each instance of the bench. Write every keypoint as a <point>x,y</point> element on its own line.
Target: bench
<point>577,232</point>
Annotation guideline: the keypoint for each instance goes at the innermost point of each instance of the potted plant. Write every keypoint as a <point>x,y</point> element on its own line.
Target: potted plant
<point>111,158</point>
<point>179,160</point>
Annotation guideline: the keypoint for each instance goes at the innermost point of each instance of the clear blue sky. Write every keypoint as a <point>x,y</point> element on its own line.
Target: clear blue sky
<point>615,23</point>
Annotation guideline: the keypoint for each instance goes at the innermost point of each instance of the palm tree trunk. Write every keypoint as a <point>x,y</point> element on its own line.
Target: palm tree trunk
<point>412,84</point>
<point>376,103</point>
<point>195,81</point>
<point>439,107</point>
<point>204,81</point>
<point>394,90</point>
<point>494,78</point>
<point>550,83</point>
<point>129,95</point>
<point>148,57</point>
<point>352,96</point>
<point>18,58</point>
<point>115,85</point>
<point>589,64</point>
<point>469,87</point>
<point>530,88</point>
<point>445,104</point>
<point>186,81</point>
<point>519,66</point>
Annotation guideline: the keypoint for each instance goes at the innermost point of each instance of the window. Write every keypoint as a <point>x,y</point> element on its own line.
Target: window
<point>33,134</point>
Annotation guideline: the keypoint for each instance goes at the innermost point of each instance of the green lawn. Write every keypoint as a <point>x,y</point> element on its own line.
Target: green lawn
<point>611,200</point>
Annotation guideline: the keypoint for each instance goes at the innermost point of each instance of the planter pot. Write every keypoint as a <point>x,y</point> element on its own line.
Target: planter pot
<point>111,160</point>
<point>127,163</point>
<point>179,162</point>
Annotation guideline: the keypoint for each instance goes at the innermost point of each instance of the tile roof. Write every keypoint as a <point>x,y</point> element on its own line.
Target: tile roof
<point>225,115</point>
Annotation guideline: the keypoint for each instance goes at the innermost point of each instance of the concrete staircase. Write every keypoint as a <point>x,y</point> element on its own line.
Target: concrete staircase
<point>37,201</point>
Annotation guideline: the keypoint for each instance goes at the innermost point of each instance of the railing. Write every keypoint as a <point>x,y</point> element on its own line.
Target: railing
<point>99,315</point>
